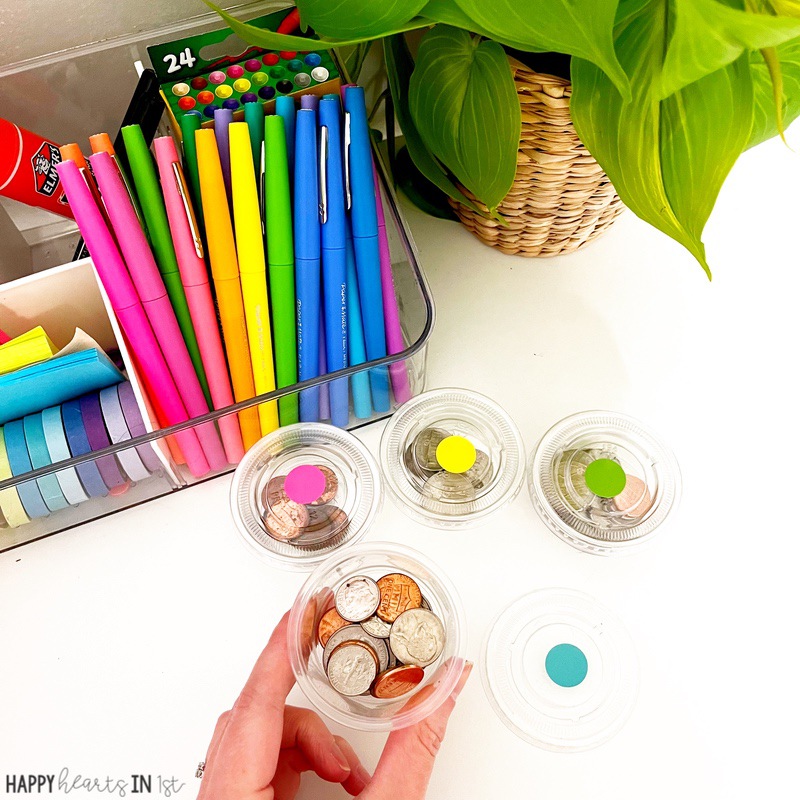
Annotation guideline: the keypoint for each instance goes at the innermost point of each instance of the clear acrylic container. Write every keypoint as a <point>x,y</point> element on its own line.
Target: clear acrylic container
<point>304,491</point>
<point>560,670</point>
<point>452,457</point>
<point>316,597</point>
<point>603,482</point>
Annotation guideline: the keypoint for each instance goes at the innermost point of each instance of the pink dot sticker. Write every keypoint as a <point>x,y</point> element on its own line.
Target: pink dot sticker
<point>304,484</point>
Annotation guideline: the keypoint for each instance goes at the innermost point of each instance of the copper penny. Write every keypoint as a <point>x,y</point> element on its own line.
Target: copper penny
<point>398,594</point>
<point>397,682</point>
<point>284,520</point>
<point>634,500</point>
<point>331,486</point>
<point>330,622</point>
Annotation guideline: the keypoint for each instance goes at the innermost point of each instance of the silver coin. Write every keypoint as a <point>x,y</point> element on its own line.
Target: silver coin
<point>393,662</point>
<point>480,473</point>
<point>425,445</point>
<point>415,469</point>
<point>417,637</point>
<point>355,633</point>
<point>358,598</point>
<point>376,627</point>
<point>449,487</point>
<point>425,603</point>
<point>352,668</point>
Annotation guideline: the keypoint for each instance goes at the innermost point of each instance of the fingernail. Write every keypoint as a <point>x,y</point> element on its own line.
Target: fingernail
<point>340,759</point>
<point>465,673</point>
<point>363,775</point>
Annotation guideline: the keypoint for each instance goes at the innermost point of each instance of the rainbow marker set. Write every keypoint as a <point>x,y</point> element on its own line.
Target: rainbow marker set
<point>198,75</point>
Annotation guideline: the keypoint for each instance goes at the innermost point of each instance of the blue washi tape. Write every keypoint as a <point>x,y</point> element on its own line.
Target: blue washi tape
<point>20,463</point>
<point>58,448</point>
<point>40,457</point>
<point>79,445</point>
<point>136,426</point>
<point>118,432</point>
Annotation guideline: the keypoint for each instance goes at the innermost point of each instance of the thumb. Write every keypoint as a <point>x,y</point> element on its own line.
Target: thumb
<point>409,755</point>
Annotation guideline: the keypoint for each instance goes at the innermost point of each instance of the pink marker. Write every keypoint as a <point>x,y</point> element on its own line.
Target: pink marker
<point>117,282</point>
<point>4,337</point>
<point>150,287</point>
<point>194,276</point>
<point>391,313</point>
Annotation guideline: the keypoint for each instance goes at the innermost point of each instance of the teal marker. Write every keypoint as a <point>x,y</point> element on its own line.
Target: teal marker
<point>189,124</point>
<point>254,117</point>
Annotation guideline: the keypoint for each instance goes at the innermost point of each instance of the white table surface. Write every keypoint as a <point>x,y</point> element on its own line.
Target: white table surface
<point>121,641</point>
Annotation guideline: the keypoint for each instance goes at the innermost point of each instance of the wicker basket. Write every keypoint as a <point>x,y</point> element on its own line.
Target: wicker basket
<point>560,199</point>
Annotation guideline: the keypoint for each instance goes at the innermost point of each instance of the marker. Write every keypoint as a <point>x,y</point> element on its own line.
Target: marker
<point>101,143</point>
<point>357,351</point>
<point>252,270</point>
<point>285,108</point>
<point>280,256</point>
<point>222,120</point>
<point>189,124</point>
<point>254,117</point>
<point>364,220</point>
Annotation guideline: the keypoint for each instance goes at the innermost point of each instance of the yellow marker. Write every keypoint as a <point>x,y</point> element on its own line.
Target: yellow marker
<point>225,271</point>
<point>456,454</point>
<point>252,269</point>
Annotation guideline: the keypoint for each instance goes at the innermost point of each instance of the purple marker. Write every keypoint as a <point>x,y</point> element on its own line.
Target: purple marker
<point>309,101</point>
<point>222,118</point>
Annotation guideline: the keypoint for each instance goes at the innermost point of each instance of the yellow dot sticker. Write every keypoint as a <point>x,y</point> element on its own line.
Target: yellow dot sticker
<point>456,454</point>
<point>223,91</point>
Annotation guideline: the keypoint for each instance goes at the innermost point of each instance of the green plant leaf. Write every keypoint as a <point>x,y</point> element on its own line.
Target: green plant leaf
<point>580,28</point>
<point>399,67</point>
<point>708,35</point>
<point>347,19</point>
<point>464,103</point>
<point>765,121</point>
<point>282,41</point>
<point>667,159</point>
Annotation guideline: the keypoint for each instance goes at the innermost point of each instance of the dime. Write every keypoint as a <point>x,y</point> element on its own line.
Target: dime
<point>634,500</point>
<point>331,486</point>
<point>480,473</point>
<point>425,445</point>
<point>284,520</point>
<point>352,668</point>
<point>417,637</point>
<point>355,633</point>
<point>329,624</point>
<point>398,594</point>
<point>358,598</point>
<point>449,487</point>
<point>398,681</point>
<point>376,627</point>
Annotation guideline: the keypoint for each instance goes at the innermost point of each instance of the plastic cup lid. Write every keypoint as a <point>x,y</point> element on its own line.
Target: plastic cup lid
<point>602,481</point>
<point>451,457</point>
<point>560,670</point>
<point>303,491</point>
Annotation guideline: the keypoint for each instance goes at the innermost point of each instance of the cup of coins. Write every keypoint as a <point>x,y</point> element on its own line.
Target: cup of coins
<point>302,492</point>
<point>452,457</point>
<point>376,637</point>
<point>603,482</point>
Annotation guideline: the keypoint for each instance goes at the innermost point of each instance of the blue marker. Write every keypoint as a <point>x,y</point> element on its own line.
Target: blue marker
<point>334,258</point>
<point>284,107</point>
<point>357,352</point>
<point>364,219</point>
<point>307,259</point>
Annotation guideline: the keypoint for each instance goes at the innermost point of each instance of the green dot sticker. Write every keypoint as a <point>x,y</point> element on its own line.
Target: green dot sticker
<point>456,454</point>
<point>566,665</point>
<point>605,477</point>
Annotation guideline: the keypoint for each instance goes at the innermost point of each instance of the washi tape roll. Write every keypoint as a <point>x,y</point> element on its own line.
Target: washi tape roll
<point>136,426</point>
<point>40,457</point>
<point>58,448</point>
<point>20,463</point>
<point>118,431</point>
<point>79,445</point>
<point>10,504</point>
<point>98,439</point>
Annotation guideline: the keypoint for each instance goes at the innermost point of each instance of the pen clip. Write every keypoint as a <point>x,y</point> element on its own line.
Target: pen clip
<point>323,174</point>
<point>348,195</point>
<point>129,191</point>
<point>183,191</point>
<point>262,190</point>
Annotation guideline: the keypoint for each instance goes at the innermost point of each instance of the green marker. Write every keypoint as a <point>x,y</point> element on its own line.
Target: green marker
<point>254,117</point>
<point>148,188</point>
<point>189,124</point>
<point>280,256</point>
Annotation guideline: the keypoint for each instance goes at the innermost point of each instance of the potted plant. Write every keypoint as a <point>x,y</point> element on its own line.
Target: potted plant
<point>666,94</point>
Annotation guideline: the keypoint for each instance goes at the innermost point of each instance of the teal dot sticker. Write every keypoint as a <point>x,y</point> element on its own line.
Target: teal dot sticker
<point>566,665</point>
<point>605,477</point>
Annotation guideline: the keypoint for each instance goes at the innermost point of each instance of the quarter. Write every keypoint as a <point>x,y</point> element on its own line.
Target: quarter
<point>425,445</point>
<point>357,599</point>
<point>398,681</point>
<point>480,473</point>
<point>398,594</point>
<point>449,487</point>
<point>355,633</point>
<point>417,637</point>
<point>352,668</point>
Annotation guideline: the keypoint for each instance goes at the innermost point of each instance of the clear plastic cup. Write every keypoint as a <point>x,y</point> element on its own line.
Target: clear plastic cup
<point>365,712</point>
<point>603,482</point>
<point>304,491</point>
<point>452,457</point>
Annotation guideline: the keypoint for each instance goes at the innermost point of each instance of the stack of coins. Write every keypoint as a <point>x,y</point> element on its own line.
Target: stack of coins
<point>450,467</point>
<point>297,506</point>
<point>379,636</point>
